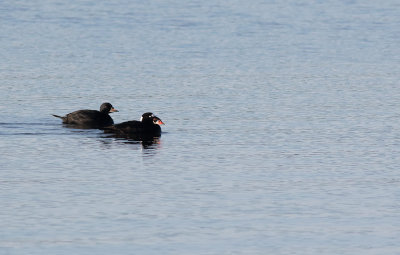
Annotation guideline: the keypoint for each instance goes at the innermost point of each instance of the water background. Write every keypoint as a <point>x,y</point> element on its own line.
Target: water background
<point>282,130</point>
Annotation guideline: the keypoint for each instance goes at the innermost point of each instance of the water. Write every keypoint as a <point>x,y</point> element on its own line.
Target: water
<point>281,132</point>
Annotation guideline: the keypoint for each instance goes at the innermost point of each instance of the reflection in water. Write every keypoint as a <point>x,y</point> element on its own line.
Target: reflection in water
<point>149,144</point>
<point>76,126</point>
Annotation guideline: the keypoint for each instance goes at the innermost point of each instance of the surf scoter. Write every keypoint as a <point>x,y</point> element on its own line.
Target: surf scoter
<point>90,118</point>
<point>148,126</point>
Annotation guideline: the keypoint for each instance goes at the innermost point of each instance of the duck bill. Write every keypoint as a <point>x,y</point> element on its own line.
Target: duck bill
<point>113,110</point>
<point>159,122</point>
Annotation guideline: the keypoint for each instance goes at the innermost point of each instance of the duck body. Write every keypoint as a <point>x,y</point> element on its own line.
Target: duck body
<point>136,127</point>
<point>90,118</point>
<point>148,126</point>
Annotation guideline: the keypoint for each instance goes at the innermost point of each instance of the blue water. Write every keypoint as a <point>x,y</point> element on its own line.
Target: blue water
<point>282,127</point>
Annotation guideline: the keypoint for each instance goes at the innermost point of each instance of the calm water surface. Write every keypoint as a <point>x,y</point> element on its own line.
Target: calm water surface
<point>282,127</point>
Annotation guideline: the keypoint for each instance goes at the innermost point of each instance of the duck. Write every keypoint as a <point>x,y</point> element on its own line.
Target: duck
<point>147,126</point>
<point>90,118</point>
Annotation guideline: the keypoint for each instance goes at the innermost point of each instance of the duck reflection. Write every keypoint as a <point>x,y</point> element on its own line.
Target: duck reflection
<point>148,143</point>
<point>77,127</point>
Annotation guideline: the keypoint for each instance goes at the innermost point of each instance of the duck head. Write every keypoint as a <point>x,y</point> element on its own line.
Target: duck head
<point>107,108</point>
<point>150,117</point>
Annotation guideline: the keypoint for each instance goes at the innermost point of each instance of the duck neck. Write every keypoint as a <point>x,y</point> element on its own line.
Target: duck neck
<point>147,121</point>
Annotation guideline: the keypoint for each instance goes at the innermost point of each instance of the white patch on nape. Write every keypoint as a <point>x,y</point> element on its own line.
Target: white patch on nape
<point>141,118</point>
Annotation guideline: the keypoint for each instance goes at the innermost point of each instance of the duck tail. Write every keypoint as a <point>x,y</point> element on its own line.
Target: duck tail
<point>63,118</point>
